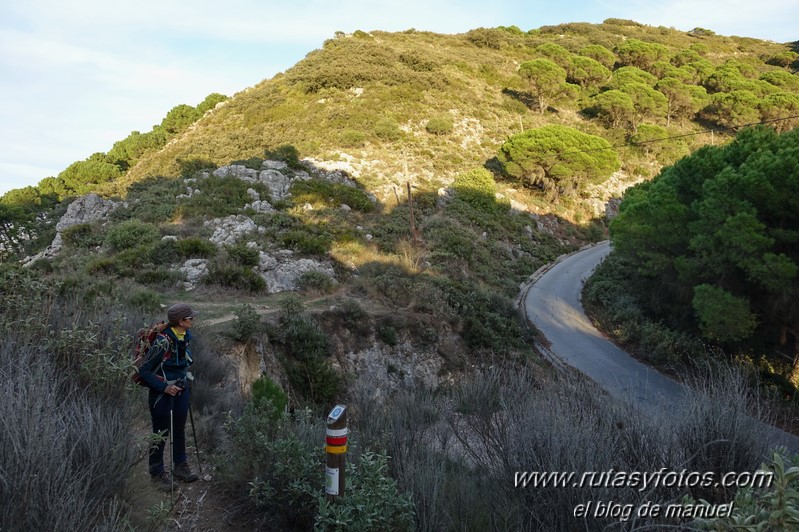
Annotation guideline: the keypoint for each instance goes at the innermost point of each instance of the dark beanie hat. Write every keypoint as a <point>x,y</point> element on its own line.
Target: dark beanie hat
<point>179,311</point>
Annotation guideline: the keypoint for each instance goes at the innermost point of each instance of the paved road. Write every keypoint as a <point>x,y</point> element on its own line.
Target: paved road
<point>553,305</point>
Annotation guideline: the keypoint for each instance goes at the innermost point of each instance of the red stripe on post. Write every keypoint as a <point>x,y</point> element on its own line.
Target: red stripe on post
<point>330,440</point>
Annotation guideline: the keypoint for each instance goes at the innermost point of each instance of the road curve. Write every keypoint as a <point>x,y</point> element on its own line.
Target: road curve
<point>552,302</point>
<point>553,306</point>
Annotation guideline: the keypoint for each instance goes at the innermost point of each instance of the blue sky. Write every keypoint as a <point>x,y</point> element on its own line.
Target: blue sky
<point>76,76</point>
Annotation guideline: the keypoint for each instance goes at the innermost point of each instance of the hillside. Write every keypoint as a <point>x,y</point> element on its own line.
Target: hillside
<point>367,98</point>
<point>355,230</point>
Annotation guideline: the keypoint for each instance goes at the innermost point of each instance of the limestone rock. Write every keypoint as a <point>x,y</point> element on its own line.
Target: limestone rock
<point>86,209</point>
<point>275,165</point>
<point>231,229</point>
<point>282,273</point>
<point>239,171</point>
<point>194,270</point>
<point>278,183</point>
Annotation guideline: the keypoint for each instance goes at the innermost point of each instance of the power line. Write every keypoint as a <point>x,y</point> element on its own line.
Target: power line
<point>715,129</point>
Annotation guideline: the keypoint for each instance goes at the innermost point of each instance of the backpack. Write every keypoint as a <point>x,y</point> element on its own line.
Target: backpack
<point>143,341</point>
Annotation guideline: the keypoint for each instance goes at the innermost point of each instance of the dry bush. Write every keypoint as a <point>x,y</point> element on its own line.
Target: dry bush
<point>457,452</point>
<point>65,451</point>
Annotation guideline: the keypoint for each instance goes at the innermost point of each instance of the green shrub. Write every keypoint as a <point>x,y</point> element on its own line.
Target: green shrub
<point>152,200</point>
<point>254,163</point>
<point>276,221</point>
<point>314,380</point>
<point>146,301</point>
<point>136,257</point>
<point>243,255</point>
<point>448,236</point>
<point>163,252</point>
<point>246,324</point>
<point>191,167</point>
<point>595,232</point>
<point>221,196</point>
<point>439,125</point>
<point>330,194</point>
<point>286,153</point>
<point>775,507</point>
<point>269,397</point>
<point>102,265</point>
<point>372,502</point>
<point>315,281</point>
<point>301,336</point>
<point>278,459</point>
<point>158,278</point>
<point>477,188</point>
<point>387,129</point>
<point>305,346</point>
<point>238,277</point>
<point>352,139</point>
<point>131,233</point>
<point>353,316</point>
<point>196,248</point>
<point>305,242</point>
<point>387,334</point>
<point>82,236</point>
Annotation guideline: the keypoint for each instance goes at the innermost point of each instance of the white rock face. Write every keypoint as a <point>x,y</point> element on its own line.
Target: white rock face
<point>231,229</point>
<point>277,183</point>
<point>275,165</point>
<point>266,261</point>
<point>278,178</point>
<point>237,170</point>
<point>343,166</point>
<point>86,209</point>
<point>260,206</point>
<point>395,367</point>
<point>282,272</point>
<point>194,270</point>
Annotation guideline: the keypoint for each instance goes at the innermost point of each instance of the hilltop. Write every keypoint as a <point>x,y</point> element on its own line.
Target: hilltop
<point>422,107</point>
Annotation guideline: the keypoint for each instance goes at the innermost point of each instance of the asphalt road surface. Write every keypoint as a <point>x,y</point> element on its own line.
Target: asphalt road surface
<point>553,305</point>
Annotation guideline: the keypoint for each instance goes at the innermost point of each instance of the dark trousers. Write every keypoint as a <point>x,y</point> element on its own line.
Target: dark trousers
<point>160,406</point>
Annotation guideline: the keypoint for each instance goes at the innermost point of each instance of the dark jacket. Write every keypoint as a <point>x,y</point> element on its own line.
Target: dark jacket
<point>168,359</point>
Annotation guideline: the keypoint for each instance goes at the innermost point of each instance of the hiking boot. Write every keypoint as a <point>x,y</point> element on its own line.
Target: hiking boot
<point>162,481</point>
<point>183,472</point>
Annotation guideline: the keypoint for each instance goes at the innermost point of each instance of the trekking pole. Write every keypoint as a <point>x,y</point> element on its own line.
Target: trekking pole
<point>194,433</point>
<point>171,449</point>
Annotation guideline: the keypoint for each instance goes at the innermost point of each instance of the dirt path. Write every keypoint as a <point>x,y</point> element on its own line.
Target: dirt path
<point>201,506</point>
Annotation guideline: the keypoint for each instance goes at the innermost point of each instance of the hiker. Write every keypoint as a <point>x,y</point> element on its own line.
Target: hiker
<point>164,371</point>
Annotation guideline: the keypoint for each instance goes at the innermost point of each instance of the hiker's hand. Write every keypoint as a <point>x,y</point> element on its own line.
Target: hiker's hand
<point>172,390</point>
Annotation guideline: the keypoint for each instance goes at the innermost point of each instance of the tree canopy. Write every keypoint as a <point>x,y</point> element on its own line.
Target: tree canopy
<point>558,159</point>
<point>545,79</point>
<point>714,238</point>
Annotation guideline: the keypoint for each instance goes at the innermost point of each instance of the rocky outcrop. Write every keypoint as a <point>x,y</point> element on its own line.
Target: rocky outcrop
<point>389,368</point>
<point>282,272</point>
<point>258,205</point>
<point>231,229</point>
<point>274,174</point>
<point>278,178</point>
<point>194,270</point>
<point>86,209</point>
